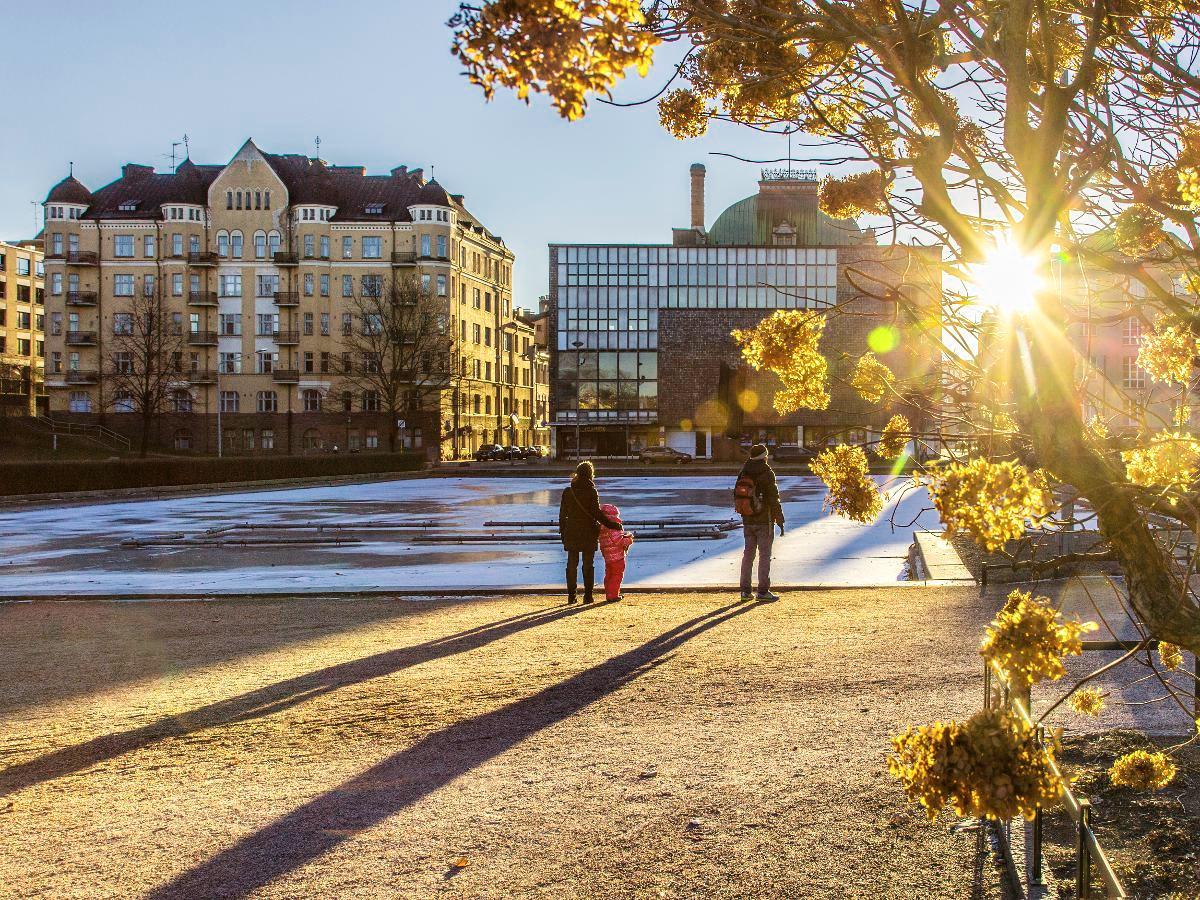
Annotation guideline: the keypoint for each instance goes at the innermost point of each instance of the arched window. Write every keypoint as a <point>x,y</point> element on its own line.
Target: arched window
<point>312,400</point>
<point>272,239</point>
<point>260,245</point>
<point>222,243</point>
<point>235,244</point>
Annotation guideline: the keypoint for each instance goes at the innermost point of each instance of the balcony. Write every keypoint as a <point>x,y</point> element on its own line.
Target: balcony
<point>202,258</point>
<point>285,337</point>
<point>81,298</point>
<point>81,338</point>
<point>202,338</point>
<point>286,259</point>
<point>77,257</point>
<point>287,298</point>
<point>79,376</point>
<point>404,258</point>
<point>286,376</point>
<point>202,298</point>
<point>202,376</point>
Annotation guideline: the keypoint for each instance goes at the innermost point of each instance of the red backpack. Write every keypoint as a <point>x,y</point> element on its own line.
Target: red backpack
<point>746,500</point>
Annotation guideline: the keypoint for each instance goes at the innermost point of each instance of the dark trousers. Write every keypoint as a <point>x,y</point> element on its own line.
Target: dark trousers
<point>759,538</point>
<point>588,558</point>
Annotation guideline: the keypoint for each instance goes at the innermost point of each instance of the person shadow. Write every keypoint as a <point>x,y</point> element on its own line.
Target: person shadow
<point>405,777</point>
<point>269,699</point>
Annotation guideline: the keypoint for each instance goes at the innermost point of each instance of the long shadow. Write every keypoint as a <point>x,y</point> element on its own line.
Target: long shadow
<point>269,699</point>
<point>409,775</point>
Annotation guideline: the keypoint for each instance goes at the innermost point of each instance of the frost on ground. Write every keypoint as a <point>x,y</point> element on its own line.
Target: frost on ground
<point>663,746</point>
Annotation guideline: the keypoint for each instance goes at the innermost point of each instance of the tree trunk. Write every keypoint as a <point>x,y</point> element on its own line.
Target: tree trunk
<point>145,441</point>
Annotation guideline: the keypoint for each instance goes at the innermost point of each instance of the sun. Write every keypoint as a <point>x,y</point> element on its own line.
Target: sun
<point>1007,280</point>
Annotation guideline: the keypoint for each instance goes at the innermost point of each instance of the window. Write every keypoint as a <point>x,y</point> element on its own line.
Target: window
<point>149,284</point>
<point>425,239</point>
<point>266,200</point>
<point>372,247</point>
<point>308,323</point>
<point>1131,334</point>
<point>487,337</point>
<point>425,280</point>
<point>308,284</point>
<point>312,400</point>
<point>476,333</point>
<point>177,245</point>
<point>122,247</point>
<point>346,364</point>
<point>122,323</point>
<point>309,365</point>
<point>1134,377</point>
<point>56,362</point>
<point>373,209</point>
<point>324,284</point>
<point>272,243</point>
<point>122,285</point>
<point>229,324</point>
<point>55,322</point>
<point>372,285</point>
<point>247,438</point>
<point>264,362</point>
<point>372,442</point>
<point>181,401</point>
<point>229,199</point>
<point>325,324</point>
<point>235,245</point>
<point>347,401</point>
<point>370,401</point>
<point>148,246</point>
<point>309,246</point>
<point>123,362</point>
<point>478,303</point>
<point>268,434</point>
<point>268,402</point>
<point>268,324</point>
<point>325,362</point>
<point>80,402</point>
<point>177,284</point>
<point>230,285</point>
<point>222,244</point>
<point>441,285</point>
<point>487,301</point>
<point>441,246</point>
<point>194,243</point>
<point>183,439</point>
<point>267,285</point>
<point>260,245</point>
<point>312,440</point>
<point>347,285</point>
<point>229,401</point>
<point>56,244</point>
<point>56,284</point>
<point>347,247</point>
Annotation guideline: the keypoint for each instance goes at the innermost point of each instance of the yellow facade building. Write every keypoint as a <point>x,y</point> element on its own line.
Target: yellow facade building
<point>22,341</point>
<point>258,262</point>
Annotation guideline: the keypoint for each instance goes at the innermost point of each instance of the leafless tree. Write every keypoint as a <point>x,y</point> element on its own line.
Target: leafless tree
<point>144,362</point>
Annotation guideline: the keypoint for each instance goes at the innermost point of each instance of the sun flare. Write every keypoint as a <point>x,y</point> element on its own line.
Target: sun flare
<point>1007,279</point>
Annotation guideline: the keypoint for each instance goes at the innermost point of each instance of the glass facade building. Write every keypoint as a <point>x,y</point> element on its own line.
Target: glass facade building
<point>607,301</point>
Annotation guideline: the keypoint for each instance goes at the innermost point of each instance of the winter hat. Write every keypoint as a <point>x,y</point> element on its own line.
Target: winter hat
<point>585,470</point>
<point>611,511</point>
<point>758,451</point>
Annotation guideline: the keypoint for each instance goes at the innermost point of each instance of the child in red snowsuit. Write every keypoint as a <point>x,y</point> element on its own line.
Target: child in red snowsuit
<point>614,544</point>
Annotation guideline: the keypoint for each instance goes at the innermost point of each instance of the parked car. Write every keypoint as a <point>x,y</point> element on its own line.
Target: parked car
<point>533,452</point>
<point>664,455</point>
<point>791,453</point>
<point>491,452</point>
<point>514,452</point>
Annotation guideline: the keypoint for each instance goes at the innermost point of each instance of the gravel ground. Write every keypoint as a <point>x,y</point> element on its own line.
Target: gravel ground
<point>661,747</point>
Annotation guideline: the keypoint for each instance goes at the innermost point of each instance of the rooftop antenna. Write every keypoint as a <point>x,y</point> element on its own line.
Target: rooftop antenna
<point>317,141</point>
<point>187,150</point>
<point>71,168</point>
<point>174,144</point>
<point>432,177</point>
<point>35,205</point>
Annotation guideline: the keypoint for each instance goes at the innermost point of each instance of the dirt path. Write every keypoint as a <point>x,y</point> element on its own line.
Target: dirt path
<point>660,747</point>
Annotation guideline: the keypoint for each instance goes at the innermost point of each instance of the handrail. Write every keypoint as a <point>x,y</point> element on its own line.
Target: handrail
<point>84,429</point>
<point>1087,849</point>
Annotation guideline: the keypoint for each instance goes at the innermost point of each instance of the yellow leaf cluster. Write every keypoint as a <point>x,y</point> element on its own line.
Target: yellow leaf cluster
<point>1142,771</point>
<point>1169,462</point>
<point>871,378</point>
<point>1138,230</point>
<point>684,114</point>
<point>1167,353</point>
<point>1029,639</point>
<point>854,195</point>
<point>990,501</point>
<point>894,438</point>
<point>1170,656</point>
<point>990,765</point>
<point>852,491</point>
<point>566,49</point>
<point>786,344</point>
<point>1087,702</point>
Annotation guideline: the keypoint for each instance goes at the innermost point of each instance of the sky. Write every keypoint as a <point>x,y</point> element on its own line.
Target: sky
<point>116,82</point>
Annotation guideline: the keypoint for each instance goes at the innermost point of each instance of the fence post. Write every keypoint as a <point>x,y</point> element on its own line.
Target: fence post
<point>1083,852</point>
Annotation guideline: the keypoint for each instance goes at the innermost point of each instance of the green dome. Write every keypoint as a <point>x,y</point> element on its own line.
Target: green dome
<point>752,221</point>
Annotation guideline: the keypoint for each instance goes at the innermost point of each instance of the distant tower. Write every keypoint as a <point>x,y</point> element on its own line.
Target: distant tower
<point>698,172</point>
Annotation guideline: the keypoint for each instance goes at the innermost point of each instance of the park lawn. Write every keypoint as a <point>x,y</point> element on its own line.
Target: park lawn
<point>663,746</point>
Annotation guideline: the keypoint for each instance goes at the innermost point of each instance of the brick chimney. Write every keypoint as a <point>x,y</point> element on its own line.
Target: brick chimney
<point>698,196</point>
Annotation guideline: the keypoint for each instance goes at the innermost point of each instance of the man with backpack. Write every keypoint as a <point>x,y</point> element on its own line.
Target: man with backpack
<point>756,500</point>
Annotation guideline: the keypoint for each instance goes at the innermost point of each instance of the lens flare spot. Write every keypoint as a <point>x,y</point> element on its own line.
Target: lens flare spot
<point>685,425</point>
<point>883,339</point>
<point>748,400</point>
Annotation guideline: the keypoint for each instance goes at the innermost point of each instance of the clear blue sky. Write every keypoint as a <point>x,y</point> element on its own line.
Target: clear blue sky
<point>107,83</point>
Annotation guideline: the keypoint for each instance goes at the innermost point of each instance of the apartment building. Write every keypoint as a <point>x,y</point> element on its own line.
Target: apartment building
<point>22,338</point>
<point>259,262</point>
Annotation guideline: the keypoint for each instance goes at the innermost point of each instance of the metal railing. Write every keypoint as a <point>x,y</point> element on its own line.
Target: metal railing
<point>81,298</point>
<point>1088,852</point>
<point>202,338</point>
<point>81,338</point>
<point>286,298</point>
<point>202,258</point>
<point>97,433</point>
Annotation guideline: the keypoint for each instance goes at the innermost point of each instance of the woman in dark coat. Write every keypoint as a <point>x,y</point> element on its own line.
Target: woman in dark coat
<point>579,521</point>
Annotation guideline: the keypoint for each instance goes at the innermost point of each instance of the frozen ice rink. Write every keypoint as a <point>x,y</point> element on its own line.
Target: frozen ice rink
<point>78,549</point>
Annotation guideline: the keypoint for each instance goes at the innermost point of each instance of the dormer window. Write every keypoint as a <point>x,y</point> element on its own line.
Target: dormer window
<point>373,209</point>
<point>128,206</point>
